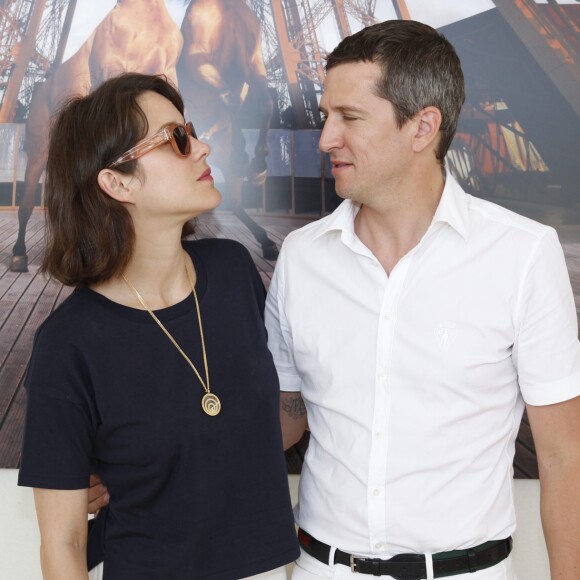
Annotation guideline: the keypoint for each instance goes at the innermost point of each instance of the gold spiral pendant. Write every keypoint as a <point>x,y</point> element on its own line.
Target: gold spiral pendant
<point>211,404</point>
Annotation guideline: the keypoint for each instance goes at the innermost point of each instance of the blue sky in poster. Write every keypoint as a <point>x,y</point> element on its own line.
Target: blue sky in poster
<point>436,13</point>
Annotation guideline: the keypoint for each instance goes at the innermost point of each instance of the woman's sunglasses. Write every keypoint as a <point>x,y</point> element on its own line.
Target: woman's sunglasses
<point>178,135</point>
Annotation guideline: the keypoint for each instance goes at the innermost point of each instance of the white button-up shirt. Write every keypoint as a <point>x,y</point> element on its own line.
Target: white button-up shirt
<point>415,383</point>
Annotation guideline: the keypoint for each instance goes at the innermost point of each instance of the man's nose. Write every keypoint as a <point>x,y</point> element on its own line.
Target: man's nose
<point>330,137</point>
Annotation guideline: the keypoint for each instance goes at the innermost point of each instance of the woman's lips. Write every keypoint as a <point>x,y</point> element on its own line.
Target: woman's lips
<point>206,175</point>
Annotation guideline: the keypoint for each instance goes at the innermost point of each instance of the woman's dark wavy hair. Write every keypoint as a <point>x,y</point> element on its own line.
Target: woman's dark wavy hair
<point>90,236</point>
<point>419,68</point>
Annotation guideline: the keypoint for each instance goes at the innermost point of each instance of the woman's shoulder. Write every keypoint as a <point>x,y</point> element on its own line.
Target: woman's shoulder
<point>70,318</point>
<point>63,316</point>
<point>224,261</point>
<point>59,338</point>
<point>228,252</point>
<point>223,245</point>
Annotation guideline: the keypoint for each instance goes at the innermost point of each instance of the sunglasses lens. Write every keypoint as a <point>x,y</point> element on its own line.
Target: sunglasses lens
<point>191,129</point>
<point>182,139</point>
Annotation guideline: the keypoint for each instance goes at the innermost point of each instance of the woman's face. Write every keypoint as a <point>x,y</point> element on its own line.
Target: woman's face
<point>169,185</point>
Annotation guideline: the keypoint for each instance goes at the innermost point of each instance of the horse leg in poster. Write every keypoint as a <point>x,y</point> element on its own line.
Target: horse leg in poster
<point>34,145</point>
<point>71,77</point>
<point>25,207</point>
<point>258,108</point>
<point>262,106</point>
<point>218,68</point>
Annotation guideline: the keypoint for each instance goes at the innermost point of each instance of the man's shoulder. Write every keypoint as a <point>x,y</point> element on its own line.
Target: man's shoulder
<point>485,212</point>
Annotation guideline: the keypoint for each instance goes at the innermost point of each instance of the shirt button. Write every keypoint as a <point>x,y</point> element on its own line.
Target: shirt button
<point>376,492</point>
<point>387,317</point>
<point>382,376</point>
<point>378,434</point>
<point>378,546</point>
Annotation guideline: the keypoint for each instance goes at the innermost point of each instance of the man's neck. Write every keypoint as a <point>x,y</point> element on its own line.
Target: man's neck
<point>391,230</point>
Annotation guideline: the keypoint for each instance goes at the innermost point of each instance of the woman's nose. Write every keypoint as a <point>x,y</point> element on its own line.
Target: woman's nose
<point>199,149</point>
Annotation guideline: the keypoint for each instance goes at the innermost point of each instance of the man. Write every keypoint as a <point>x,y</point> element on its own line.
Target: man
<point>410,329</point>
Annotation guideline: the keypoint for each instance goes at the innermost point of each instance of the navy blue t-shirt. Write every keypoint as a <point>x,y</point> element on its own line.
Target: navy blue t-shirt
<point>192,496</point>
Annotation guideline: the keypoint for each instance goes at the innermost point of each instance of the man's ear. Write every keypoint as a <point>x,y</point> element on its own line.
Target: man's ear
<point>117,185</point>
<point>427,133</point>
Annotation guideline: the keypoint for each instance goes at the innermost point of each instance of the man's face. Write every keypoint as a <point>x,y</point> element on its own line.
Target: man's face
<point>370,155</point>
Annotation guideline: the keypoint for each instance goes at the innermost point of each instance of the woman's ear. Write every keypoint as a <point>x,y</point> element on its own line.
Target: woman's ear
<point>117,185</point>
<point>427,128</point>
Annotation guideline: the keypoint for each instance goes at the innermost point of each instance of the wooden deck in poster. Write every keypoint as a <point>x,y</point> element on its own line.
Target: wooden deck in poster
<point>26,299</point>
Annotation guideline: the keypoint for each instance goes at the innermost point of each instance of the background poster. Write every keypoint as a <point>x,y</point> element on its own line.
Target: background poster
<point>517,144</point>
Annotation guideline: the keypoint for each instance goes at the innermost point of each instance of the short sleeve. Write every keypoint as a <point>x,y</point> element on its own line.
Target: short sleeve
<point>279,332</point>
<point>60,420</point>
<point>547,351</point>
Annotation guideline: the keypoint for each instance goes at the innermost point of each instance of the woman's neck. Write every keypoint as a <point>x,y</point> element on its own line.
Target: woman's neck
<point>157,270</point>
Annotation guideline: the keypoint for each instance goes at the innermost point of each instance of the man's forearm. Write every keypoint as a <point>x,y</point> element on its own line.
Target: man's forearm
<point>292,417</point>
<point>556,431</point>
<point>560,509</point>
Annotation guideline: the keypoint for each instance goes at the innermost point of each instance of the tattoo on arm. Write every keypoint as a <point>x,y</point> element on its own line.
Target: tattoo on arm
<point>294,407</point>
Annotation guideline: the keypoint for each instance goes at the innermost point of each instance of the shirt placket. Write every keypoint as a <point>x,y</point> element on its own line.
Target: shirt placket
<point>376,489</point>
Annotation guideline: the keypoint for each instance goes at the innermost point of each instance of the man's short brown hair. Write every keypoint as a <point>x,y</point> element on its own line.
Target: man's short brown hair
<point>420,68</point>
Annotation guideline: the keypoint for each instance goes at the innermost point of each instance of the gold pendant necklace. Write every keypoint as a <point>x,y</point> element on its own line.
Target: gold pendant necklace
<point>210,402</point>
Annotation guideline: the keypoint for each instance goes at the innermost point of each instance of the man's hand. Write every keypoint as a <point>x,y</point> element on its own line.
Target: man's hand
<point>98,495</point>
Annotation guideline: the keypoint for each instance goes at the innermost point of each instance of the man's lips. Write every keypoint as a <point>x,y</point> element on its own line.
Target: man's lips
<point>206,175</point>
<point>338,166</point>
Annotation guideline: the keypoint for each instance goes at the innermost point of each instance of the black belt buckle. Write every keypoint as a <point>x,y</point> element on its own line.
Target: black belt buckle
<point>375,564</point>
<point>354,562</point>
<point>400,567</point>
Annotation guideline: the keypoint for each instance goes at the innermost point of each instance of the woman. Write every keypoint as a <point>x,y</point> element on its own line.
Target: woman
<point>154,374</point>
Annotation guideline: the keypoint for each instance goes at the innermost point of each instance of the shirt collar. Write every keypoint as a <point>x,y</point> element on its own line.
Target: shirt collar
<point>452,209</point>
<point>341,219</point>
